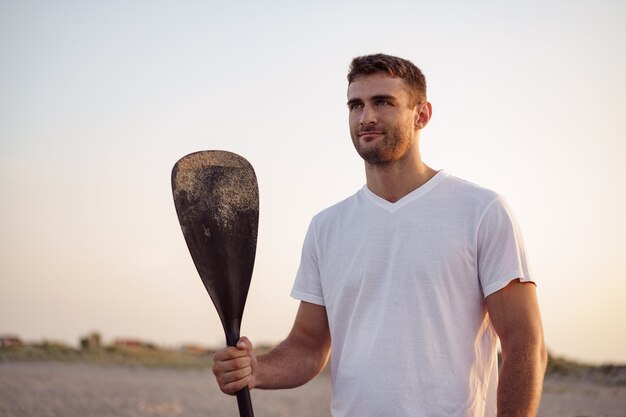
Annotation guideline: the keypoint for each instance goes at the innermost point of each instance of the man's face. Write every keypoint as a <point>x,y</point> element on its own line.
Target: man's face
<point>382,123</point>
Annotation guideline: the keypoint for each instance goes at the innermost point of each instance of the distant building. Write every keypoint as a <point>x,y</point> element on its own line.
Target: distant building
<point>133,343</point>
<point>91,341</point>
<point>10,340</point>
<point>193,349</point>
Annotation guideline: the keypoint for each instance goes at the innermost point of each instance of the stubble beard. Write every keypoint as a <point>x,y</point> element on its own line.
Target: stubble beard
<point>394,146</point>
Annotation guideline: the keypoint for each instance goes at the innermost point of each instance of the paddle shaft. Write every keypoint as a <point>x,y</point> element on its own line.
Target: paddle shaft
<point>243,397</point>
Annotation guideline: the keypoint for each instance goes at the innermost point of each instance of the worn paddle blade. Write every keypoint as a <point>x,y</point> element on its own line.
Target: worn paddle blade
<point>217,202</point>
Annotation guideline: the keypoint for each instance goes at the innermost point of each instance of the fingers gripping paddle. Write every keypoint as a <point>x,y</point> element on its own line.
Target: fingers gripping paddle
<point>217,202</point>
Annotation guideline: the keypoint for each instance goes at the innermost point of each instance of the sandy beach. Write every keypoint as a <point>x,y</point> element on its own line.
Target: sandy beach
<point>57,389</point>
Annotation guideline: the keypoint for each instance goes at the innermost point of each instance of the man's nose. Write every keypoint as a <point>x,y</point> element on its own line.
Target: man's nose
<point>368,116</point>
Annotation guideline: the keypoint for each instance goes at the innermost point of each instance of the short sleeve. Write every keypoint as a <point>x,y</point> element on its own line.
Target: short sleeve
<point>307,286</point>
<point>501,253</point>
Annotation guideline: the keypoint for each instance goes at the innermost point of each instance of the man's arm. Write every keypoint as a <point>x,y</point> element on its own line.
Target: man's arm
<point>515,316</point>
<point>295,361</point>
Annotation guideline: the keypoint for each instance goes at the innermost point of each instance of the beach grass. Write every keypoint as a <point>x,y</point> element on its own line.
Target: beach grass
<point>109,355</point>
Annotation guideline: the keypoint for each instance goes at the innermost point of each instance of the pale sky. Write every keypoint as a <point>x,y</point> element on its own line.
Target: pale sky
<point>99,99</point>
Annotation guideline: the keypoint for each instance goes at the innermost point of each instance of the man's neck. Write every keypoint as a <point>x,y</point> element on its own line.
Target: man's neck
<point>395,180</point>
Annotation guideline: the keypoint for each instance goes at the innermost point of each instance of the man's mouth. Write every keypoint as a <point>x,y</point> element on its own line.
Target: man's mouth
<point>370,134</point>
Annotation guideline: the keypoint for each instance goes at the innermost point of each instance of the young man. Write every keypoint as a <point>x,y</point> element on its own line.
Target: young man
<point>411,281</point>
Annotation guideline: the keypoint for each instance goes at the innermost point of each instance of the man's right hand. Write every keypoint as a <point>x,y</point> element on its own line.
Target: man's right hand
<point>234,367</point>
<point>293,362</point>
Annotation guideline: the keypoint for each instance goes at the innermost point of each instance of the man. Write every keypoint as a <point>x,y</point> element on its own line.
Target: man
<point>411,281</point>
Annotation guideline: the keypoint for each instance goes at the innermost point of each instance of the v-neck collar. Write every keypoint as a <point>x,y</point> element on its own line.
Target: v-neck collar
<point>409,198</point>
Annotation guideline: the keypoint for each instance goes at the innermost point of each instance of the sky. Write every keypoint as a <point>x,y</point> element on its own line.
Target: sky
<point>98,100</point>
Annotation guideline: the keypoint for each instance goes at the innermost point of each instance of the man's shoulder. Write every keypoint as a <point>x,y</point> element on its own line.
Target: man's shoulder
<point>467,191</point>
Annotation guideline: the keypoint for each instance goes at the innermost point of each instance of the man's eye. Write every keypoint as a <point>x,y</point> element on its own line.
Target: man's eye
<point>382,102</point>
<point>355,106</point>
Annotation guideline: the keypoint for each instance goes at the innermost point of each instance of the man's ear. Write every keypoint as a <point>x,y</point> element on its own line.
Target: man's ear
<point>423,114</point>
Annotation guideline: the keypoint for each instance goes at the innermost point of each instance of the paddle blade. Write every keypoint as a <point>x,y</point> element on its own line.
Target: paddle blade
<point>217,202</point>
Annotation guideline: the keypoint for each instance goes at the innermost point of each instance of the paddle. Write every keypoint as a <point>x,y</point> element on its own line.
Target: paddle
<point>217,202</point>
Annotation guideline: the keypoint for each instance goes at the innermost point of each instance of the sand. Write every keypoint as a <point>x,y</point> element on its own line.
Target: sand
<point>56,389</point>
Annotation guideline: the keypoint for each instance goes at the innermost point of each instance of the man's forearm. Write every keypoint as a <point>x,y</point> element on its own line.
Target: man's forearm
<point>289,365</point>
<point>301,356</point>
<point>521,380</point>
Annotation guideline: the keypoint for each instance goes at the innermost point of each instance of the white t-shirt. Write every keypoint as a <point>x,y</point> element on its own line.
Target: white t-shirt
<point>404,285</point>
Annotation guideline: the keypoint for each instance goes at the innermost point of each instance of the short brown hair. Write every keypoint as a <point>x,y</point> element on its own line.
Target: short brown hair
<point>395,67</point>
